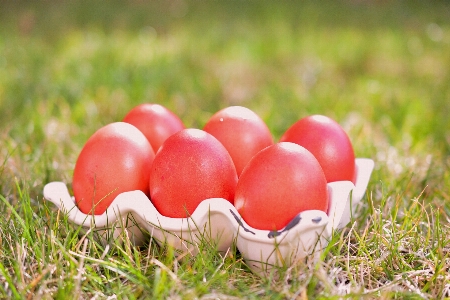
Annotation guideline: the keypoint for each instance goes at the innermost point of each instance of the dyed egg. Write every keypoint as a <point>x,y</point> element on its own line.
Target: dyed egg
<point>155,121</point>
<point>190,166</point>
<point>241,131</point>
<point>328,142</point>
<point>117,158</point>
<point>279,182</point>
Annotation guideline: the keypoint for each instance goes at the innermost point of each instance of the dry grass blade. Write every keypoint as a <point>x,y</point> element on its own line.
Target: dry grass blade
<point>166,269</point>
<point>81,271</point>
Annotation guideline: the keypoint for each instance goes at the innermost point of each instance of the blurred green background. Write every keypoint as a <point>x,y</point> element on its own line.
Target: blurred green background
<point>379,68</point>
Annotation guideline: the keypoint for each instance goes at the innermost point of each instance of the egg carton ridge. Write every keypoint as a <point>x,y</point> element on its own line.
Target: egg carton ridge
<point>217,219</point>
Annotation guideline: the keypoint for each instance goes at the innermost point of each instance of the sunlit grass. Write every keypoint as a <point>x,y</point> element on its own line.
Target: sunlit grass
<point>380,69</point>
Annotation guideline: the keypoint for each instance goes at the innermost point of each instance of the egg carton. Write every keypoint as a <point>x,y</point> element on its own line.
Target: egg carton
<point>218,221</point>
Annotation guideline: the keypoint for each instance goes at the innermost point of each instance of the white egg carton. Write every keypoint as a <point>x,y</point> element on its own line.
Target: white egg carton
<point>217,220</point>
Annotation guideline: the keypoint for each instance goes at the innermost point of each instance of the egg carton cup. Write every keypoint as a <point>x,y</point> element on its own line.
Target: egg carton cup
<point>217,220</point>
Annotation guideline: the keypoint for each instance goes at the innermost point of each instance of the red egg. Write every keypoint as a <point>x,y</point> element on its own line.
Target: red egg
<point>155,121</point>
<point>190,166</point>
<point>279,182</point>
<point>117,158</point>
<point>241,131</point>
<point>329,143</point>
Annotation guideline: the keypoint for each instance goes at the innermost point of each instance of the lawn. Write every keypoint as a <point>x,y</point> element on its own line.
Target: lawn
<point>379,68</point>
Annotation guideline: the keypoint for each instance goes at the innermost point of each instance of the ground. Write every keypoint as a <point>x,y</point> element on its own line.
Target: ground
<point>379,68</point>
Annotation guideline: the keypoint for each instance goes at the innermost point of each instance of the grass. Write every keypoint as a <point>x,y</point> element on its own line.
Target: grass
<point>380,68</point>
